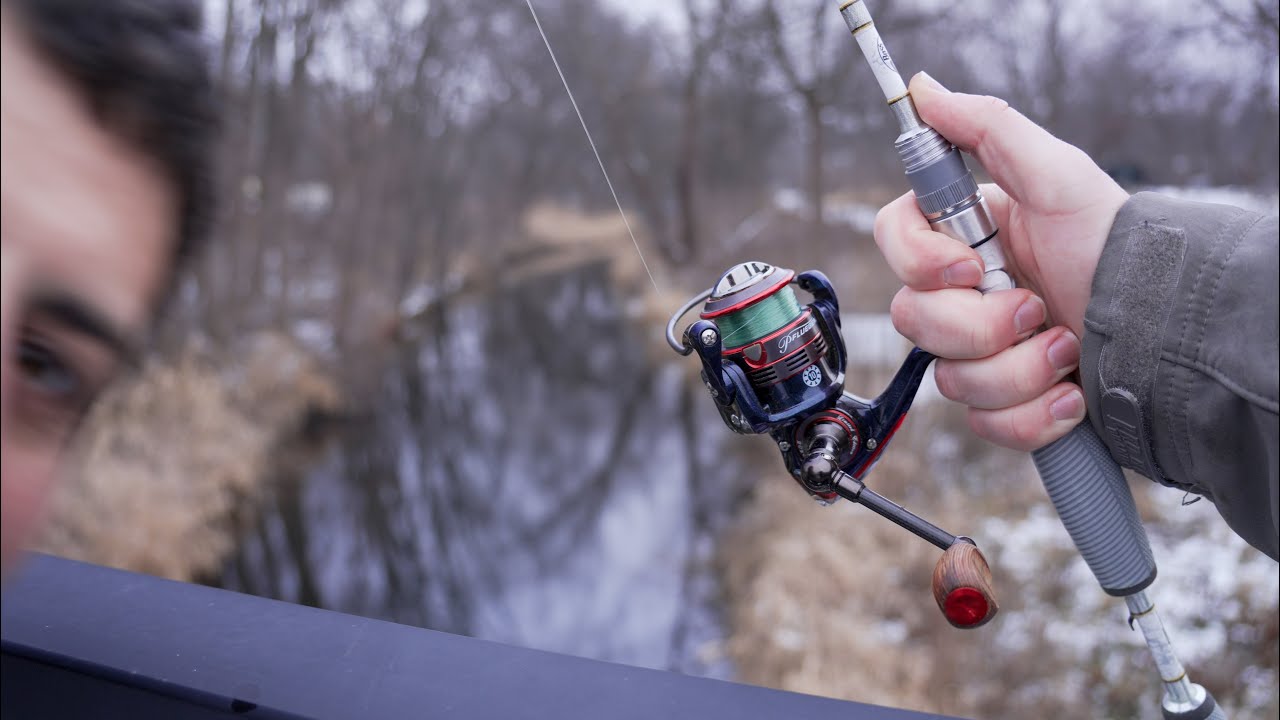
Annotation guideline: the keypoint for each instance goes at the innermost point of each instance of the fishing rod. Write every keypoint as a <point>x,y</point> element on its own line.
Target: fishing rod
<point>1085,484</point>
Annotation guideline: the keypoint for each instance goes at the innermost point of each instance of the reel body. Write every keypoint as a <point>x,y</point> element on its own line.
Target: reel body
<point>775,367</point>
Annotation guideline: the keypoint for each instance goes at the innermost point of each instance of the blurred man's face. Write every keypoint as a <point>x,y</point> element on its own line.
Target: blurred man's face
<point>86,227</point>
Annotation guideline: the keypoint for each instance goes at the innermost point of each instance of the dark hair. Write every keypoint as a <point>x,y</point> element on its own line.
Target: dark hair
<point>142,66</point>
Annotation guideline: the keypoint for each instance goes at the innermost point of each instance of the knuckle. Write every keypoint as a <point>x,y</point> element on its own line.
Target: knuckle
<point>913,268</point>
<point>993,105</point>
<point>946,376</point>
<point>881,227</point>
<point>980,424</point>
<point>904,315</point>
<point>1004,427</point>
<point>1021,430</point>
<point>981,339</point>
<point>992,109</point>
<point>1028,378</point>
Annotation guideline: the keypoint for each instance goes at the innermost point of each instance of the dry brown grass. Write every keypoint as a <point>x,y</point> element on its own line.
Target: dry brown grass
<point>171,462</point>
<point>837,602</point>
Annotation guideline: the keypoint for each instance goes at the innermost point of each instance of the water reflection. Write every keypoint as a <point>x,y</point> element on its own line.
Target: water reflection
<point>526,474</point>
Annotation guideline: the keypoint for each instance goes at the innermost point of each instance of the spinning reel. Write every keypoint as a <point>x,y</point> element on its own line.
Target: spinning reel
<point>775,367</point>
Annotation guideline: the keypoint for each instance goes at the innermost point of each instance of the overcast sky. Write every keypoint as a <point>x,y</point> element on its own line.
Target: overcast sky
<point>667,11</point>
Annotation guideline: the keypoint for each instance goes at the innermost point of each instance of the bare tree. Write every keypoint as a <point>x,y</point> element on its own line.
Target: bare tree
<point>808,71</point>
<point>705,33</point>
<point>1255,21</point>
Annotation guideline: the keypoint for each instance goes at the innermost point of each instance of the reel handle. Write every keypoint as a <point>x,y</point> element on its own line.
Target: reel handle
<point>962,586</point>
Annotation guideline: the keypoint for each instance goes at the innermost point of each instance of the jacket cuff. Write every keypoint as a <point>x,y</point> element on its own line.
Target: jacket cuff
<point>1134,289</point>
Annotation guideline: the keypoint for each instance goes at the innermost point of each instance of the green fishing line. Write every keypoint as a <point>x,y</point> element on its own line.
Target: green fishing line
<point>755,321</point>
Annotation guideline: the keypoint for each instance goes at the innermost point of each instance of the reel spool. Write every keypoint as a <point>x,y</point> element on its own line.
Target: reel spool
<point>773,366</point>
<point>764,328</point>
<point>765,358</point>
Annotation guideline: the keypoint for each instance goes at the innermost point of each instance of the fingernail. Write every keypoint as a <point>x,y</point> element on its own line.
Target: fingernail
<point>965,273</point>
<point>1029,316</point>
<point>1068,407</point>
<point>1064,352</point>
<point>930,83</point>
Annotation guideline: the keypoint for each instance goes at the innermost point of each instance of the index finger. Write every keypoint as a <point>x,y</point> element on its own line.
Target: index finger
<point>1024,159</point>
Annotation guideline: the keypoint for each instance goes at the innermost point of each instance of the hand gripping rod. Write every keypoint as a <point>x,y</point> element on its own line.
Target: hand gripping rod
<point>1085,484</point>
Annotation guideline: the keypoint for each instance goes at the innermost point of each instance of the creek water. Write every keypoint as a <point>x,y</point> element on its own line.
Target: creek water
<point>527,473</point>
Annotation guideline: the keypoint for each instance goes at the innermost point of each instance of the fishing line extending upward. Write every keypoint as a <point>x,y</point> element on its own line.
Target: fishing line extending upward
<point>591,142</point>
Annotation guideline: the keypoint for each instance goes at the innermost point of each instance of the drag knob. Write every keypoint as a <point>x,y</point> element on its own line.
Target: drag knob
<point>962,586</point>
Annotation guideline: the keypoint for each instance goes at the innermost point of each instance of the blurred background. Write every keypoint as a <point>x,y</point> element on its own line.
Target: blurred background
<point>419,373</point>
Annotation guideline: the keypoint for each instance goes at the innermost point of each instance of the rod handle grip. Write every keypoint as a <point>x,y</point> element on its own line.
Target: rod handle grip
<point>1092,497</point>
<point>963,588</point>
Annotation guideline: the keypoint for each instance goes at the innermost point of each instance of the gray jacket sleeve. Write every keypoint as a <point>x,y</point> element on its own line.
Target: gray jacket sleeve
<point>1179,358</point>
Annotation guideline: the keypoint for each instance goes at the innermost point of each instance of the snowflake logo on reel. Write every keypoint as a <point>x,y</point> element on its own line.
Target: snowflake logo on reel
<point>812,376</point>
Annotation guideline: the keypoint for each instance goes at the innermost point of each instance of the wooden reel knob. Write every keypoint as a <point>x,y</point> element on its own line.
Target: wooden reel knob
<point>962,586</point>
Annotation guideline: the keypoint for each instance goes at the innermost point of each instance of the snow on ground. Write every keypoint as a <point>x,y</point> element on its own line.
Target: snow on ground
<point>1205,570</point>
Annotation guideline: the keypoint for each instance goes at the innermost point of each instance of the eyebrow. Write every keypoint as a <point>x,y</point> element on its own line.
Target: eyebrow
<point>78,315</point>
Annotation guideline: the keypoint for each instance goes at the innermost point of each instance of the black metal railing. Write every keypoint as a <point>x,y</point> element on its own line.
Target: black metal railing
<point>82,640</point>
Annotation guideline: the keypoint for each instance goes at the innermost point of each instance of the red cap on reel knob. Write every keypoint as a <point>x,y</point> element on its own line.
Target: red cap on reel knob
<point>965,607</point>
<point>962,586</point>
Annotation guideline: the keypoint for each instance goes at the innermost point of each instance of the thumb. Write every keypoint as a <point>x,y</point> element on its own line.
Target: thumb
<point>1034,167</point>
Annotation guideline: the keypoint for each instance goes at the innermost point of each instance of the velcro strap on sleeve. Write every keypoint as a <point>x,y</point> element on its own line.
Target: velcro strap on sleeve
<point>1133,325</point>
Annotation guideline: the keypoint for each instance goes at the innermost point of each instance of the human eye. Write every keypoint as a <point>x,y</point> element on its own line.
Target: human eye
<point>54,391</point>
